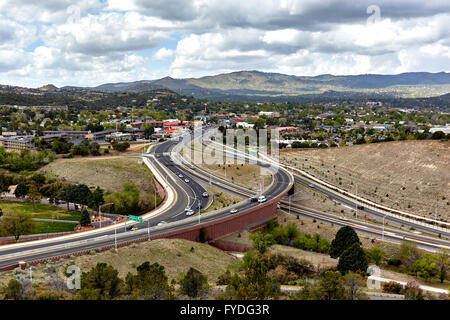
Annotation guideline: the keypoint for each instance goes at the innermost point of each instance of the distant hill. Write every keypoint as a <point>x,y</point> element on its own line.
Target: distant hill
<point>255,83</point>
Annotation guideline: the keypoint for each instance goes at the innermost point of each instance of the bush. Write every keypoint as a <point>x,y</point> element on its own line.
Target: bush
<point>394,261</point>
<point>203,235</point>
<point>392,287</point>
<point>194,284</point>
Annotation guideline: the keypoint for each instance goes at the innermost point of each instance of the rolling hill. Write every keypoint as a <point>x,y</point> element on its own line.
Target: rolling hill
<point>255,83</point>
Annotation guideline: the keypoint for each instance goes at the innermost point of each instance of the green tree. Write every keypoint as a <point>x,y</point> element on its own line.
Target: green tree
<point>96,199</point>
<point>255,284</point>
<point>443,262</point>
<point>81,194</point>
<point>85,218</point>
<point>150,283</point>
<point>21,190</point>
<point>16,224</point>
<point>353,259</point>
<point>292,233</point>
<point>425,267</point>
<point>408,253</point>
<point>104,280</point>
<point>194,284</point>
<point>261,242</point>
<point>345,238</point>
<point>33,194</point>
<point>376,255</point>
<point>353,284</point>
<point>331,286</point>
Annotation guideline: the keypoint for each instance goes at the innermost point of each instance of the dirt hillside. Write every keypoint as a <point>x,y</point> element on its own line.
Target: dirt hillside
<point>410,175</point>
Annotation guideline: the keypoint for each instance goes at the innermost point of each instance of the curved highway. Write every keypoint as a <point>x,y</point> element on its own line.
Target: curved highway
<point>188,195</point>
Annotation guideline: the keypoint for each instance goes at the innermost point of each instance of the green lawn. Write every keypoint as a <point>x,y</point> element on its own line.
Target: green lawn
<point>51,227</point>
<point>40,211</point>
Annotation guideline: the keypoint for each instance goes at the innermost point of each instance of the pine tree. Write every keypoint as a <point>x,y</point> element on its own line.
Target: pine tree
<point>353,259</point>
<point>85,218</point>
<point>344,239</point>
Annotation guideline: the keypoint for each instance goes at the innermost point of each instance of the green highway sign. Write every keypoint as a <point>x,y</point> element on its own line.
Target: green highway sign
<point>137,219</point>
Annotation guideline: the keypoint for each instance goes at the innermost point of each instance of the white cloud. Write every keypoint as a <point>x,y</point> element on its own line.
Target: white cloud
<point>164,54</point>
<point>92,41</point>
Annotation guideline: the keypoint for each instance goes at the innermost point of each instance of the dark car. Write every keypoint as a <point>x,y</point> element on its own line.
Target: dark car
<point>254,200</point>
<point>360,207</point>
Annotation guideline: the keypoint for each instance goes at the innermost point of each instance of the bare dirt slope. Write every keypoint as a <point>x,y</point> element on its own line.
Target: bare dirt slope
<point>410,175</point>
<point>109,174</point>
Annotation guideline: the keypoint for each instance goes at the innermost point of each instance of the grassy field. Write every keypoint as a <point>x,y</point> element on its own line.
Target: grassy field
<point>407,175</point>
<point>109,174</point>
<point>175,255</point>
<point>40,227</point>
<point>41,211</point>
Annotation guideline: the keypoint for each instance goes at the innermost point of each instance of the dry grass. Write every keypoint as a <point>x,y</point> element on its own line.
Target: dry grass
<point>317,259</point>
<point>175,255</point>
<point>407,175</point>
<point>109,174</point>
<point>222,199</point>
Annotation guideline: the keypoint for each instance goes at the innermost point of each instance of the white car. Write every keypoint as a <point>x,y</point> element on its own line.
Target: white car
<point>343,218</point>
<point>181,176</point>
<point>205,195</point>
<point>233,211</point>
<point>262,199</point>
<point>190,212</point>
<point>186,180</point>
<point>162,223</point>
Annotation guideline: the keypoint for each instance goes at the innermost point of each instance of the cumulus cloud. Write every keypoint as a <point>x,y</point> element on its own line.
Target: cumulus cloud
<point>88,42</point>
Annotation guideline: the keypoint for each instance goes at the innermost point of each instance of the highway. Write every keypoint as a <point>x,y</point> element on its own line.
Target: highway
<point>187,195</point>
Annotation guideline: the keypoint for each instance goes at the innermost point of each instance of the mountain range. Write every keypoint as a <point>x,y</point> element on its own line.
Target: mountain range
<point>260,84</point>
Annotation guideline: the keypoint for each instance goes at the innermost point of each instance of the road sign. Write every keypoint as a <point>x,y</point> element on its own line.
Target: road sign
<point>137,219</point>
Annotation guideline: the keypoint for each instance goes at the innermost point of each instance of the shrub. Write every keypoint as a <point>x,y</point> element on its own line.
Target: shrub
<point>394,261</point>
<point>392,287</point>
